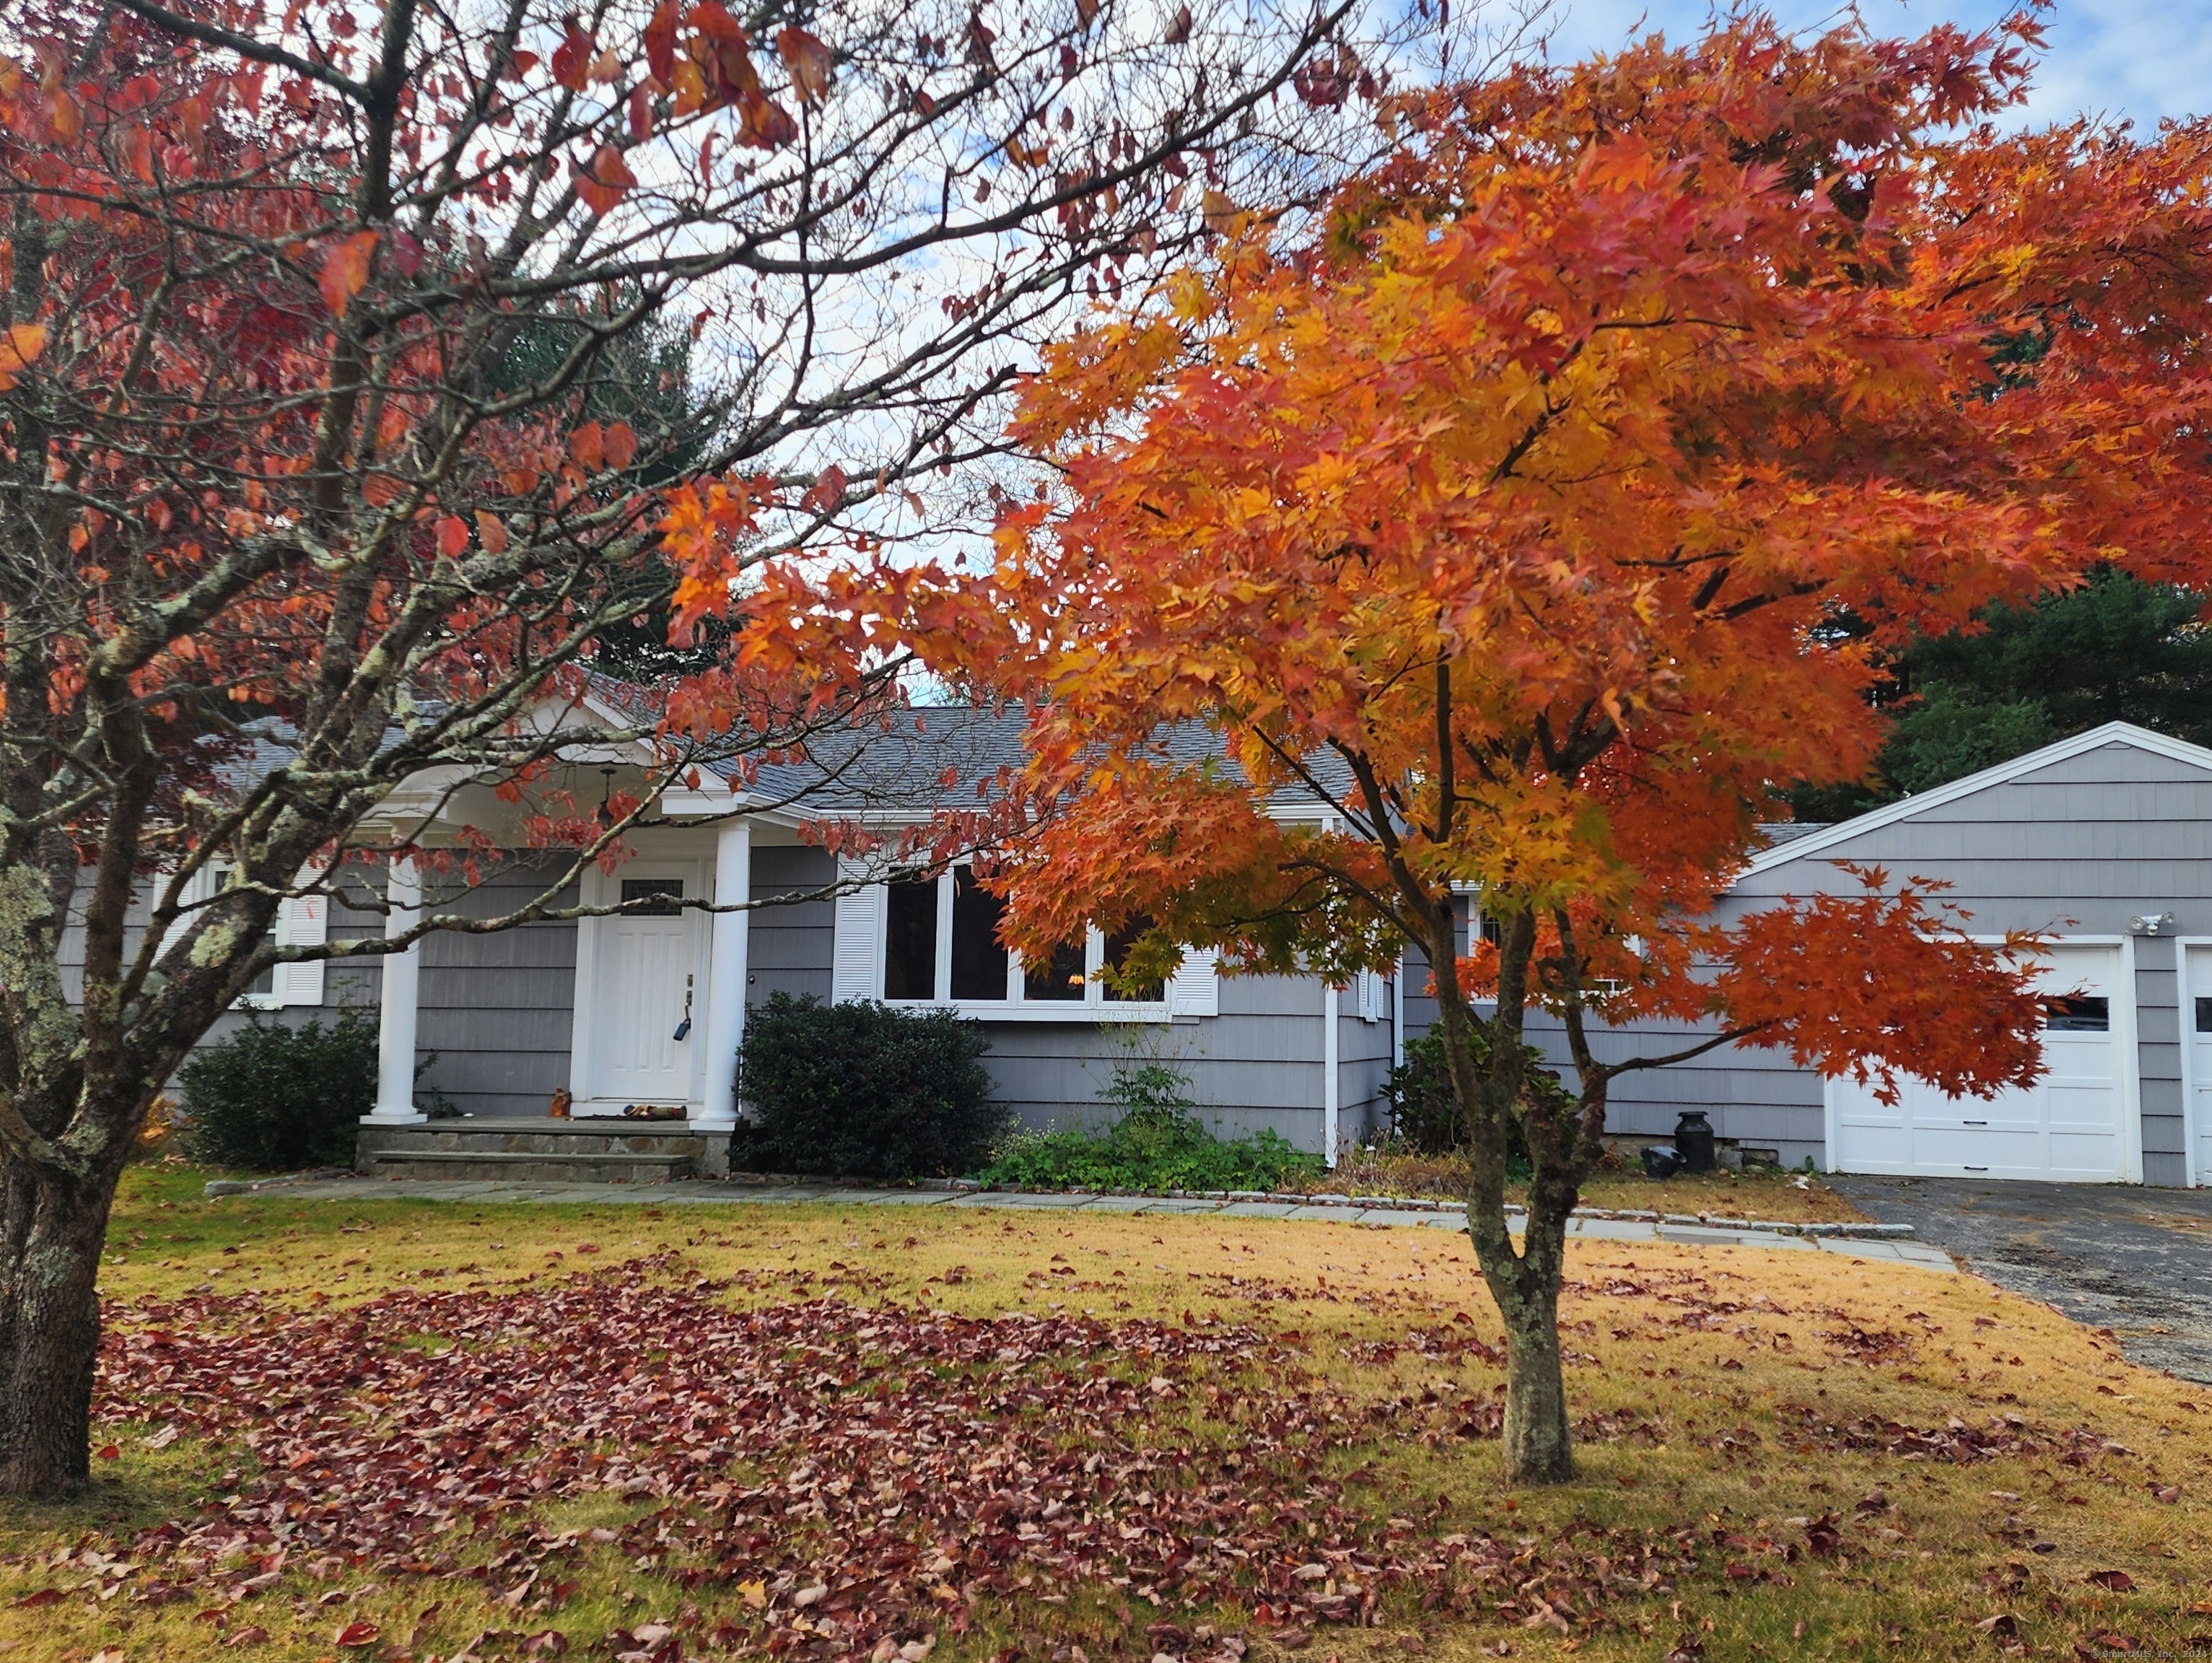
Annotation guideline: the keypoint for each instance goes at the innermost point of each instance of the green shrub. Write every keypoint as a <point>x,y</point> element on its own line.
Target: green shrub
<point>863,1090</point>
<point>1425,1118</point>
<point>278,1099</point>
<point>1156,1144</point>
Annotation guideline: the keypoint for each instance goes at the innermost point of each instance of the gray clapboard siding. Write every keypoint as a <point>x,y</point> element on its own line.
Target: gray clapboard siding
<point>1257,1065</point>
<point>1363,1060</point>
<point>498,1009</point>
<point>787,947</point>
<point>2158,1047</point>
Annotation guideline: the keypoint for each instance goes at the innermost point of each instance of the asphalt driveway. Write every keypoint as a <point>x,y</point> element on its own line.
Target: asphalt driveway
<point>2136,1261</point>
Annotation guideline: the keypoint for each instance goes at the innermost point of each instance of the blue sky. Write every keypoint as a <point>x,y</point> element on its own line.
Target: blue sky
<point>2141,59</point>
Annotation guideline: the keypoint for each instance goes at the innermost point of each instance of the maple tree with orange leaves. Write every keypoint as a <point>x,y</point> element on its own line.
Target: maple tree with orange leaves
<point>1516,514</point>
<point>288,515</point>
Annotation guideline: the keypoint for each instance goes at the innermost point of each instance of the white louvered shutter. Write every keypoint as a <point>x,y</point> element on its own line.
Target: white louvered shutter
<point>1195,990</point>
<point>856,960</point>
<point>302,920</point>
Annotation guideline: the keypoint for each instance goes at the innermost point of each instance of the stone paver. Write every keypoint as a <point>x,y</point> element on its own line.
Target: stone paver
<point>706,1192</point>
<point>889,1197</point>
<point>1017,1200</point>
<point>1613,1229</point>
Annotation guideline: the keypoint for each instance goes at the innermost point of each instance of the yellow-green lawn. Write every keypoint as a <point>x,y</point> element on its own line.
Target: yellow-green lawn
<point>598,1420</point>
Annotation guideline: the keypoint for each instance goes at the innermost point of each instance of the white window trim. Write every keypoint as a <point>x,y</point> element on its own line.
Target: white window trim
<point>302,920</point>
<point>1093,1007</point>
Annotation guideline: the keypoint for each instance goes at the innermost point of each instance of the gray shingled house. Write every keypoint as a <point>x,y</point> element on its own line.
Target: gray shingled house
<point>2103,841</point>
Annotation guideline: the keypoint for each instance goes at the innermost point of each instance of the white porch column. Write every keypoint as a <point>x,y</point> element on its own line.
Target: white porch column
<point>395,1028</point>
<point>726,973</point>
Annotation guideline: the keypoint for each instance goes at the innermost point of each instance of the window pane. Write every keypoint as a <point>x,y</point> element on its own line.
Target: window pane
<point>1061,977</point>
<point>979,963</point>
<point>1117,951</point>
<point>2204,1016</point>
<point>2085,1013</point>
<point>660,894</point>
<point>910,943</point>
<point>264,985</point>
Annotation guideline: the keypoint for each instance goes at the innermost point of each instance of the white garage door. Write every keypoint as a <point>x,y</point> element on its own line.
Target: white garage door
<point>2069,1125</point>
<point>2196,1020</point>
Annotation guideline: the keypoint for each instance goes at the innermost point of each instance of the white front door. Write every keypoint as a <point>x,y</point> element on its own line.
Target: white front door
<point>640,977</point>
<point>2069,1125</point>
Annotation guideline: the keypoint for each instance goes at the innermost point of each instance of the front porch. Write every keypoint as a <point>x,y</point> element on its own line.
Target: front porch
<point>646,1006</point>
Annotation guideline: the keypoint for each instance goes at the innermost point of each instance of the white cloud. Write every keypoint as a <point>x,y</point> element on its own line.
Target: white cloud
<point>2137,59</point>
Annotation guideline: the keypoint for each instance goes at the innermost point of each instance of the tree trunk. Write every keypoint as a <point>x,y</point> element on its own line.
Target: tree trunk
<point>51,1233</point>
<point>1538,1449</point>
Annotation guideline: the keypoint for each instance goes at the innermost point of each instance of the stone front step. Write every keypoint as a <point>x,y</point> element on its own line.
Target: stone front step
<point>602,1150</point>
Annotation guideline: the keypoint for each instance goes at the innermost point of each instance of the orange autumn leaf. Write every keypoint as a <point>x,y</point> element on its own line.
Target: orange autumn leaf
<point>453,535</point>
<point>619,445</point>
<point>19,349</point>
<point>587,443</point>
<point>606,181</point>
<point>491,532</point>
<point>660,44</point>
<point>346,269</point>
<point>808,61</point>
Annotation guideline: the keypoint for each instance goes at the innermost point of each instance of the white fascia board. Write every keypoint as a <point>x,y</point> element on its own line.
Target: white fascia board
<point>2112,732</point>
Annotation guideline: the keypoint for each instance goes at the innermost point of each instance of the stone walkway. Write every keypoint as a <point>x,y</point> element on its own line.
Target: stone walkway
<point>701,1192</point>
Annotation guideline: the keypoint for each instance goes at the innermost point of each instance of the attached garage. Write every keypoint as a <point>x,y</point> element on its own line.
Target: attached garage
<point>2103,844</point>
<point>2073,1126</point>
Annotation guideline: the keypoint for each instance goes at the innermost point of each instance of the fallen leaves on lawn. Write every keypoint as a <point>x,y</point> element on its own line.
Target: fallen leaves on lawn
<point>1957,1441</point>
<point>853,1474</point>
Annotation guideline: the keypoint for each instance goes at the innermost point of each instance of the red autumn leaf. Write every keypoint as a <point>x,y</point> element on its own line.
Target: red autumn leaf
<point>827,493</point>
<point>110,1452</point>
<point>660,44</point>
<point>640,113</point>
<point>453,535</point>
<point>406,253</point>
<point>346,269</point>
<point>521,64</point>
<point>252,1634</point>
<point>137,148</point>
<point>42,1596</point>
<point>606,181</point>
<point>2113,1582</point>
<point>359,1632</point>
<point>588,444</point>
<point>619,445</point>
<point>807,59</point>
<point>572,58</point>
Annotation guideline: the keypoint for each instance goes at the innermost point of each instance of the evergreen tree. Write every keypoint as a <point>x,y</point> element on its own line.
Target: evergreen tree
<point>2116,649</point>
